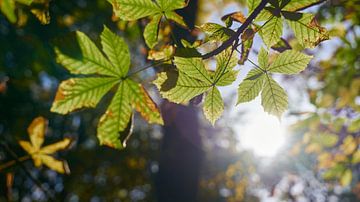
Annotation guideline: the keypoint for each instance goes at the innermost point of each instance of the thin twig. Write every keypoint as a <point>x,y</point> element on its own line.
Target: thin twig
<point>241,29</point>
<point>27,172</point>
<point>11,163</point>
<point>147,67</point>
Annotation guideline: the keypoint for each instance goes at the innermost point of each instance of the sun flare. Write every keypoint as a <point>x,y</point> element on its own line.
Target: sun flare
<point>263,134</point>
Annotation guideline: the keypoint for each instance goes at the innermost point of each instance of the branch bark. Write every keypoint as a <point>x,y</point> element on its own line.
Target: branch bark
<point>241,29</point>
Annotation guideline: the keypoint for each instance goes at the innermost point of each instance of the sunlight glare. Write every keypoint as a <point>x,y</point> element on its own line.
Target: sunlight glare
<point>263,134</point>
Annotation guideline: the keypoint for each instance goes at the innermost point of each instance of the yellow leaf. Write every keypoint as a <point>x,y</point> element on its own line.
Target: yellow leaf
<point>37,131</point>
<point>54,164</point>
<point>40,155</point>
<point>61,145</point>
<point>27,146</point>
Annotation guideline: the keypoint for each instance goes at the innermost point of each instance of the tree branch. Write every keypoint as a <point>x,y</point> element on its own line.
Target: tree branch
<point>241,29</point>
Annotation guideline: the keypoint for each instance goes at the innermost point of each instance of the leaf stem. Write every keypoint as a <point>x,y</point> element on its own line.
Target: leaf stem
<point>147,67</point>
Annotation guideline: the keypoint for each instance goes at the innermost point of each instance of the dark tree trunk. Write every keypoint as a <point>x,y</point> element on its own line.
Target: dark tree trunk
<point>181,152</point>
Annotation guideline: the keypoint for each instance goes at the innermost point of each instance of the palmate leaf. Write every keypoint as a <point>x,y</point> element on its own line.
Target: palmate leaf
<point>43,155</point>
<point>103,73</point>
<point>307,31</point>
<point>135,9</point>
<point>193,79</point>
<point>273,96</point>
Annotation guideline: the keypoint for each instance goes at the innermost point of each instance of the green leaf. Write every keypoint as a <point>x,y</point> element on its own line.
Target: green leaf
<point>290,62</point>
<point>213,105</point>
<point>193,79</point>
<point>171,15</point>
<point>134,9</point>
<point>76,93</point>
<point>116,50</point>
<point>143,103</point>
<point>216,32</point>
<point>193,67</point>
<point>94,58</point>
<point>263,58</point>
<point>116,118</point>
<point>26,2</point>
<point>185,87</point>
<point>307,30</point>
<point>250,88</point>
<point>294,5</point>
<point>273,97</point>
<point>7,7</point>
<point>168,5</point>
<point>151,31</point>
<point>252,4</point>
<point>271,31</point>
<point>225,62</point>
<point>228,78</point>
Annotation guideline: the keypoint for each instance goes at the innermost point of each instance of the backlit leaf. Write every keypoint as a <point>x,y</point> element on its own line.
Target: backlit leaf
<point>213,105</point>
<point>294,5</point>
<point>168,5</point>
<point>290,62</point>
<point>307,31</point>
<point>252,4</point>
<point>272,31</point>
<point>185,89</point>
<point>116,50</point>
<point>250,88</point>
<point>216,32</point>
<point>273,97</point>
<point>76,93</point>
<point>151,31</point>
<point>36,131</point>
<point>42,155</point>
<point>193,67</point>
<point>134,9</point>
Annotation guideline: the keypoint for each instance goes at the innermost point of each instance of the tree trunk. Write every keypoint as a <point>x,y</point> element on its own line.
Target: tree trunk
<point>181,152</point>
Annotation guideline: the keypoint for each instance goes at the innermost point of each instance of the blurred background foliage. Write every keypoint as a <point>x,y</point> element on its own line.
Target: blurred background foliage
<point>320,161</point>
